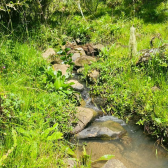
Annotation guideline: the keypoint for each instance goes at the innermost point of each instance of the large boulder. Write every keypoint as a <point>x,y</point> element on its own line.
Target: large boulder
<point>62,67</point>
<point>81,61</point>
<point>76,86</point>
<point>114,163</point>
<point>84,115</point>
<point>107,130</point>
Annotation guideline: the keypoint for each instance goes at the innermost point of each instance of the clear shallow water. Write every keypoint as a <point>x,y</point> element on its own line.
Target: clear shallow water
<point>135,150</point>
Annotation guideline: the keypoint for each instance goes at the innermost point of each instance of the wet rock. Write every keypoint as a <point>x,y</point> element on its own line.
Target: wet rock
<point>102,130</point>
<point>81,61</point>
<point>126,141</point>
<point>76,86</point>
<point>84,115</point>
<point>93,76</point>
<point>99,101</point>
<point>112,118</point>
<point>82,103</point>
<point>62,67</point>
<point>75,56</point>
<point>114,163</point>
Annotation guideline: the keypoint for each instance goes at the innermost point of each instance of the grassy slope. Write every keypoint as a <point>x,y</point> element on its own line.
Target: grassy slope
<point>30,109</point>
<point>126,87</point>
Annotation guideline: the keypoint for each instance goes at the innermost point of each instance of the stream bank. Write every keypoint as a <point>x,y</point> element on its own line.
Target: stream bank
<point>129,144</point>
<point>134,149</point>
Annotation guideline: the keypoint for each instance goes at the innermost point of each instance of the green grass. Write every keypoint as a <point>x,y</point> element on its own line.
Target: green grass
<point>31,104</point>
<point>28,105</point>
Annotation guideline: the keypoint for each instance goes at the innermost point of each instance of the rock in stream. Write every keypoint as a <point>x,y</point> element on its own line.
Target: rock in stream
<point>106,130</point>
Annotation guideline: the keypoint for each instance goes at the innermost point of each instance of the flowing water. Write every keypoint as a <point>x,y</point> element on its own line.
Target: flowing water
<point>134,150</point>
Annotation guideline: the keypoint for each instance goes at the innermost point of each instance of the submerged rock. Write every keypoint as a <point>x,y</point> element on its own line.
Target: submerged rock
<point>114,163</point>
<point>76,86</point>
<point>102,130</point>
<point>99,101</point>
<point>84,115</point>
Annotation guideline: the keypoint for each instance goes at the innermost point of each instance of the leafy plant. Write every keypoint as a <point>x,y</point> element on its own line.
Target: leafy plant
<point>85,159</point>
<point>55,81</point>
<point>66,56</point>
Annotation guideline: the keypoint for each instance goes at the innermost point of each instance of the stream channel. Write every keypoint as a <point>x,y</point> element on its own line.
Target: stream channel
<point>134,149</point>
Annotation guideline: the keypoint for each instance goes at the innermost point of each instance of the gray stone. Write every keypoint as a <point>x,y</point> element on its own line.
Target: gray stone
<point>75,56</point>
<point>84,115</point>
<point>62,67</point>
<point>76,86</point>
<point>114,163</point>
<point>81,61</point>
<point>102,130</point>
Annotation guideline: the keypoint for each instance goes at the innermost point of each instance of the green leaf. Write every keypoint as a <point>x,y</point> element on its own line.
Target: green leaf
<point>48,130</point>
<point>158,120</point>
<point>105,157</point>
<point>24,132</point>
<point>55,136</point>
<point>70,152</point>
<point>67,49</point>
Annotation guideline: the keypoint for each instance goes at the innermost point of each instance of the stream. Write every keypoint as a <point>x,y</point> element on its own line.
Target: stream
<point>134,149</point>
